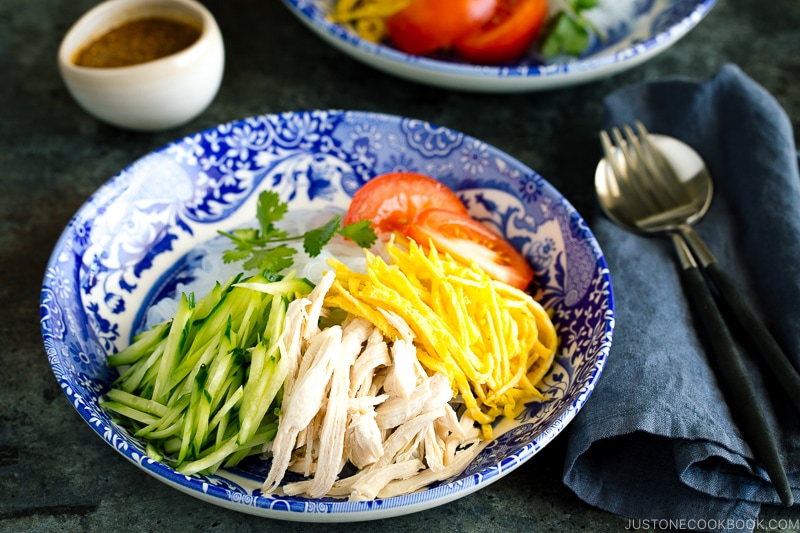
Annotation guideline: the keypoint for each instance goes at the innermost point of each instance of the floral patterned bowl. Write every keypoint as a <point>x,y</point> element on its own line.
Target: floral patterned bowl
<point>137,236</point>
<point>635,31</point>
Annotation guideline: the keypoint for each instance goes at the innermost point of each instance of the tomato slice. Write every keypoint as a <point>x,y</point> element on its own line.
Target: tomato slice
<point>427,25</point>
<point>467,240</point>
<point>506,36</point>
<point>391,201</point>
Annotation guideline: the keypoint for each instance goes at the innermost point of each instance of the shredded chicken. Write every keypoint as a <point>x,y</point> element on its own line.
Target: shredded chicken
<point>401,378</point>
<point>319,359</point>
<point>363,440</point>
<point>457,464</point>
<point>332,434</point>
<point>374,356</point>
<point>434,391</point>
<point>354,396</point>
<point>309,390</point>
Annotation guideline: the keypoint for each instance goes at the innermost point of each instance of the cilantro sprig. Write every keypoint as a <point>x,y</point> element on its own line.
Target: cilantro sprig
<point>266,248</point>
<point>569,31</point>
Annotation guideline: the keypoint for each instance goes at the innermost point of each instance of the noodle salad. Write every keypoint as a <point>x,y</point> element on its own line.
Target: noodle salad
<point>378,377</point>
<point>487,32</point>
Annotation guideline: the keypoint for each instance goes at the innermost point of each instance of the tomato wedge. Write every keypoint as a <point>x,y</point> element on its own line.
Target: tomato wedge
<point>506,36</point>
<point>427,25</point>
<point>391,201</point>
<point>467,240</point>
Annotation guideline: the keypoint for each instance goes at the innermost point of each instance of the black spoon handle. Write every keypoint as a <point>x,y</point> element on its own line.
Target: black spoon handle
<point>729,367</point>
<point>784,371</point>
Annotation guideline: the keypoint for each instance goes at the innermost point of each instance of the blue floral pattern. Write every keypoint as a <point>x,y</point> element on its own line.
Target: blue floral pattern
<point>642,31</point>
<point>134,239</point>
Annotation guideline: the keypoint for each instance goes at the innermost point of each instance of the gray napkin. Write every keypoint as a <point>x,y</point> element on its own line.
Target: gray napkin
<point>656,441</point>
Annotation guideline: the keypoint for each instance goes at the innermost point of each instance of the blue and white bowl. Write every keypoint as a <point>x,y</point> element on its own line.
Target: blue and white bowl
<point>138,236</point>
<point>634,34</point>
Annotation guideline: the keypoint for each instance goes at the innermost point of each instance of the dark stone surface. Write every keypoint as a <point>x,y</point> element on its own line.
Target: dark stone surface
<point>55,473</point>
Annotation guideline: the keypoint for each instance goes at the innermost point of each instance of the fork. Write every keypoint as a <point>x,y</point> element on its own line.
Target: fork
<point>643,193</point>
<point>672,204</point>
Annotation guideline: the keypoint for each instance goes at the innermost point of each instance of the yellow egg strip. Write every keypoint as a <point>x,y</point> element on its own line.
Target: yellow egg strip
<point>494,342</point>
<point>342,298</point>
<point>367,16</point>
<point>349,10</point>
<point>431,329</point>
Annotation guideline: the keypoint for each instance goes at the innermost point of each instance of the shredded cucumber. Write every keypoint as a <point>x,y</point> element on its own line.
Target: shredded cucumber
<point>202,389</point>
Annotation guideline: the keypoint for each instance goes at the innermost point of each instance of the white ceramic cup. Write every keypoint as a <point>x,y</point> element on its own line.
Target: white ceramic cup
<point>151,96</point>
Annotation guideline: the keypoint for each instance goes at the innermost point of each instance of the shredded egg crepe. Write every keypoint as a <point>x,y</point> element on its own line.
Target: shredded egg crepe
<point>492,341</point>
<point>367,15</point>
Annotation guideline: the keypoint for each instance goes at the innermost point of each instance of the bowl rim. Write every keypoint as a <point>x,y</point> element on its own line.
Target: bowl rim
<point>294,509</point>
<point>485,77</point>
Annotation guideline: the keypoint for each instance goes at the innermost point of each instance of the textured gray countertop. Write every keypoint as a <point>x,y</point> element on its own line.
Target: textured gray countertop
<point>55,473</point>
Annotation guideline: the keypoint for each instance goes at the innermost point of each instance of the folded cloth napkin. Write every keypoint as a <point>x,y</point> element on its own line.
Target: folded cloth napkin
<point>656,441</point>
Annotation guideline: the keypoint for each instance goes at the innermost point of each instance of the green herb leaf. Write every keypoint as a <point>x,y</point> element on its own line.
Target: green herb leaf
<point>231,256</point>
<point>272,259</point>
<point>583,5</point>
<point>569,31</point>
<point>361,232</point>
<point>568,36</point>
<point>270,209</point>
<point>316,239</point>
<point>265,248</point>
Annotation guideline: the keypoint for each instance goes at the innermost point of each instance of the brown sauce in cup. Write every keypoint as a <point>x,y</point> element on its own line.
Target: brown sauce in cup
<point>137,41</point>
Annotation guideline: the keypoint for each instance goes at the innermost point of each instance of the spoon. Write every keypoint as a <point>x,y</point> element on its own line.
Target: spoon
<point>692,184</point>
<point>670,203</point>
